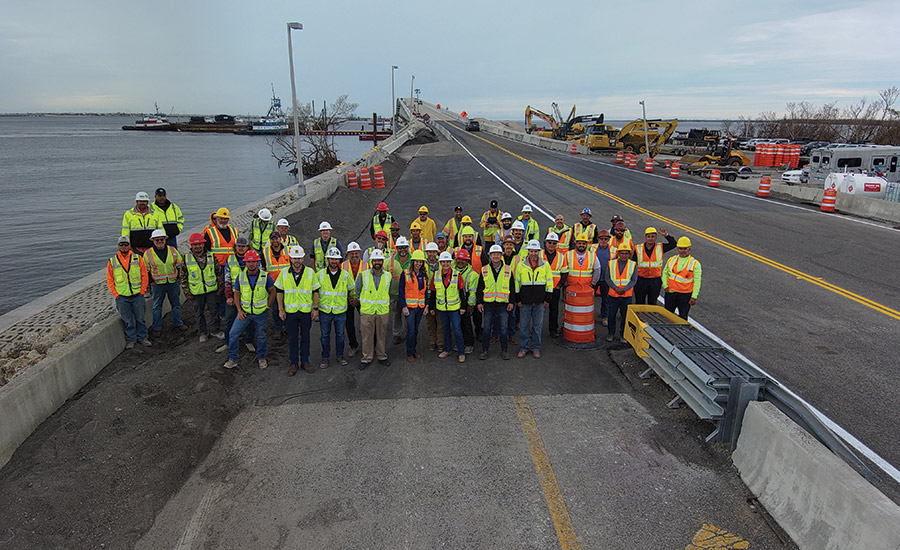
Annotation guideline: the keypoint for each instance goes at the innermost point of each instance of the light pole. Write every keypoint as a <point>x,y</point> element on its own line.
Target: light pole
<point>393,102</point>
<point>411,82</point>
<point>297,156</point>
<point>646,130</point>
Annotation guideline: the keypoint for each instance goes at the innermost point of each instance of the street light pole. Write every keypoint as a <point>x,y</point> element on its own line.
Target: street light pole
<point>411,82</point>
<point>646,130</point>
<point>393,102</point>
<point>297,157</point>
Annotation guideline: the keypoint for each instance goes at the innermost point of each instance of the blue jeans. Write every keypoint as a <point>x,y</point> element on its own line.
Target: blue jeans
<point>325,321</point>
<point>450,320</point>
<point>617,304</point>
<point>159,293</point>
<point>298,328</point>
<point>495,317</point>
<point>510,322</point>
<point>230,316</point>
<point>604,300</point>
<point>258,320</point>
<point>531,321</point>
<point>412,330</point>
<point>131,310</point>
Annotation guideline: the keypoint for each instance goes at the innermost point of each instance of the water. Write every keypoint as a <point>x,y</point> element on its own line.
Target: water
<point>66,181</point>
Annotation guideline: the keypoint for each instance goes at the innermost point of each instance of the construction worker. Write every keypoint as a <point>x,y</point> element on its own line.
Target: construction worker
<point>373,289</point>
<point>447,288</point>
<point>139,222</point>
<point>232,269</point>
<point>681,280</point>
<point>412,300</point>
<point>353,265</point>
<point>334,294</point>
<point>603,253</point>
<point>559,270</point>
<point>532,231</point>
<point>511,258</point>
<point>260,228</point>
<point>586,226</point>
<point>467,222</point>
<point>495,297</point>
<point>621,276</point>
<point>505,229</point>
<point>433,322</point>
<point>392,238</point>
<point>562,232</point>
<point>649,258</point>
<point>441,242</point>
<point>297,294</point>
<point>476,252</point>
<point>163,263</point>
<point>398,262</point>
<point>518,234</point>
<point>490,221</point>
<point>429,228</point>
<point>275,258</point>
<point>534,290</point>
<point>620,238</point>
<point>168,217</point>
<point>220,236</point>
<point>467,311</point>
<point>584,270</point>
<point>287,241</point>
<point>452,227</point>
<point>126,278</point>
<point>616,219</point>
<point>416,241</point>
<point>381,243</point>
<point>254,294</point>
<point>203,283</point>
<point>382,220</point>
<point>323,244</point>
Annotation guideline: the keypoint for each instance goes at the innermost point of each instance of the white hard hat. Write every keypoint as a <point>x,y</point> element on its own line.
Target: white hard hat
<point>333,252</point>
<point>401,241</point>
<point>445,257</point>
<point>376,255</point>
<point>526,208</point>
<point>324,226</point>
<point>296,251</point>
<point>141,196</point>
<point>158,233</point>
<point>533,245</point>
<point>518,225</point>
<point>353,247</point>
<point>264,214</point>
<point>282,222</point>
<point>551,236</point>
<point>506,216</point>
<point>496,248</point>
<point>431,246</point>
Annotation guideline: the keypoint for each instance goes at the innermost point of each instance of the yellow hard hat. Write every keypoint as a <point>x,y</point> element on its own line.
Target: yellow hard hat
<point>422,209</point>
<point>415,225</point>
<point>223,213</point>
<point>624,247</point>
<point>650,230</point>
<point>581,237</point>
<point>683,242</point>
<point>466,219</point>
<point>467,231</point>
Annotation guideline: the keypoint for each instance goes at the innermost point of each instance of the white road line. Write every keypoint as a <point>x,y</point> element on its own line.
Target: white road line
<point>855,443</point>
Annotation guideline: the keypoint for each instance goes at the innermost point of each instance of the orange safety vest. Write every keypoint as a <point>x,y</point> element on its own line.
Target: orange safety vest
<point>565,238</point>
<point>615,243</point>
<point>590,230</point>
<point>412,245</point>
<point>415,296</point>
<point>273,264</point>
<point>361,266</point>
<point>221,247</point>
<point>650,267</point>
<point>474,257</point>
<point>621,278</point>
<point>581,272</point>
<point>681,281</point>
<point>558,266</point>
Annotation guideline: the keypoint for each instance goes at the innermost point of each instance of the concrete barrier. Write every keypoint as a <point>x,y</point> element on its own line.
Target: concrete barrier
<point>815,496</point>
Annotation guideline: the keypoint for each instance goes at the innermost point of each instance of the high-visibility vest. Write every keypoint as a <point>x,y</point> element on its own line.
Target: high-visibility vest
<point>297,296</point>
<point>470,276</point>
<point>415,296</point>
<point>474,256</point>
<point>621,278</point>
<point>447,297</point>
<point>201,281</point>
<point>128,281</point>
<point>558,266</point>
<point>532,230</point>
<point>501,234</point>
<point>275,265</point>
<point>386,226</point>
<point>451,229</point>
<point>590,231</point>
<point>496,290</point>
<point>288,241</point>
<point>132,219</point>
<point>255,299</point>
<point>420,246</point>
<point>615,243</point>
<point>581,272</point>
<point>162,271</point>
<point>333,299</point>
<point>347,267</point>
<point>489,231</point>
<point>681,281</point>
<point>221,246</point>
<point>375,300</point>
<point>538,276</point>
<point>565,237</point>
<point>319,261</point>
<point>260,230</point>
<point>393,262</point>
<point>649,267</point>
<point>172,214</point>
<point>234,265</point>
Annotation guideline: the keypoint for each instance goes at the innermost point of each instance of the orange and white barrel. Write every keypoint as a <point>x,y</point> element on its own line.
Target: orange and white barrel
<point>578,321</point>
<point>378,176</point>
<point>573,149</point>
<point>620,156</point>
<point>351,179</point>
<point>648,164</point>
<point>676,170</point>
<point>714,177</point>
<point>365,180</point>
<point>829,200</point>
<point>765,186</point>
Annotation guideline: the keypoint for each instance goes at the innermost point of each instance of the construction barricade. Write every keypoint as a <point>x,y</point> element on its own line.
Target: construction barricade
<point>578,321</point>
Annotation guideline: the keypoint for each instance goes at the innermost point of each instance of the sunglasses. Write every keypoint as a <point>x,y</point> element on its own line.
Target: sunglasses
<point>604,238</point>
<point>124,244</point>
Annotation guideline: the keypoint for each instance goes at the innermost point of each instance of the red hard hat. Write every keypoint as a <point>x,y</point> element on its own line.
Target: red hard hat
<point>463,255</point>
<point>251,256</point>
<point>381,234</point>
<point>382,207</point>
<point>196,238</point>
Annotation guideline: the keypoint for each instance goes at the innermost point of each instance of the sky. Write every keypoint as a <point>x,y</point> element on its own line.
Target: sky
<point>690,59</point>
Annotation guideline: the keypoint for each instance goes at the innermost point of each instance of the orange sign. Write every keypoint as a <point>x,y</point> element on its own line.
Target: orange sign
<point>464,114</point>
<point>438,105</point>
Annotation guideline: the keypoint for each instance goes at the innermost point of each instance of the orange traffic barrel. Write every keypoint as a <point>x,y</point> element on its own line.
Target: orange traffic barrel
<point>620,156</point>
<point>578,321</point>
<point>714,178</point>
<point>829,200</point>
<point>365,181</point>
<point>351,179</point>
<point>648,165</point>
<point>765,185</point>
<point>378,176</point>
<point>676,170</point>
<point>573,149</point>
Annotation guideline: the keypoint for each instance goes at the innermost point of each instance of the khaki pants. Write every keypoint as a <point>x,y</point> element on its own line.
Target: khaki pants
<point>398,325</point>
<point>435,331</point>
<point>373,329</point>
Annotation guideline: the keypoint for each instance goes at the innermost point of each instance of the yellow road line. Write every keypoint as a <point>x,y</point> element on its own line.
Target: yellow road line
<point>818,281</point>
<point>558,510</point>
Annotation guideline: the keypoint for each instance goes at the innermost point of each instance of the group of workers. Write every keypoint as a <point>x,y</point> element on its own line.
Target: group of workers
<point>489,285</point>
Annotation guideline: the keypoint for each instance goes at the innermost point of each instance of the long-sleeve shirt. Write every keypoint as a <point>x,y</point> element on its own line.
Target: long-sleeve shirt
<point>422,278</point>
<point>221,275</point>
<point>125,261</point>
<point>479,298</point>
<point>681,263</point>
<point>460,285</point>
<point>620,266</point>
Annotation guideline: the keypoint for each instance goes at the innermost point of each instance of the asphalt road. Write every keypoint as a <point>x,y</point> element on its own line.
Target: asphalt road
<point>828,345</point>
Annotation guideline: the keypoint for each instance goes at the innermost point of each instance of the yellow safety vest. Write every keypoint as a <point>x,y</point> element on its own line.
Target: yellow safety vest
<point>259,233</point>
<point>565,237</point>
<point>128,282</point>
<point>447,296</point>
<point>201,281</point>
<point>496,290</point>
<point>539,276</point>
<point>163,216</point>
<point>319,261</point>
<point>255,297</point>
<point>162,272</point>
<point>375,300</point>
<point>386,226</point>
<point>234,267</point>
<point>132,219</point>
<point>470,276</point>
<point>333,299</point>
<point>297,296</point>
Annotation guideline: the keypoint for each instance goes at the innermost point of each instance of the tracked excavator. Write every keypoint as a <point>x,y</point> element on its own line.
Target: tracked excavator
<point>572,129</point>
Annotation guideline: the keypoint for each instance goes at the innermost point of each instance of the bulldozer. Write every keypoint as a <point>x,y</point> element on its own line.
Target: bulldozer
<point>723,153</point>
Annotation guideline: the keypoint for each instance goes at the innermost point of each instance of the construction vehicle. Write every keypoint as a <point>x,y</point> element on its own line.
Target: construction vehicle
<point>599,136</point>
<point>571,129</point>
<point>631,137</point>
<point>531,129</point>
<point>723,153</point>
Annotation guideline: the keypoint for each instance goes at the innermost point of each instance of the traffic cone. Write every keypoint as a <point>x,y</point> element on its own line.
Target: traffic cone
<point>574,149</point>
<point>765,185</point>
<point>676,171</point>
<point>648,165</point>
<point>378,176</point>
<point>351,179</point>
<point>365,181</point>
<point>714,178</point>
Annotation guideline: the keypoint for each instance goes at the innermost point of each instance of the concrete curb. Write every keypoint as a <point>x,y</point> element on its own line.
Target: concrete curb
<point>814,495</point>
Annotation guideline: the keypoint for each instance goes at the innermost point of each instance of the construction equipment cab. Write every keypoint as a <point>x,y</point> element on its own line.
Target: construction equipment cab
<point>631,136</point>
<point>599,137</point>
<point>531,129</point>
<point>725,153</point>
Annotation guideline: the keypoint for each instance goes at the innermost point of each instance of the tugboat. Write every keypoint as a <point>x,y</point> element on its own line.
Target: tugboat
<point>274,122</point>
<point>155,122</point>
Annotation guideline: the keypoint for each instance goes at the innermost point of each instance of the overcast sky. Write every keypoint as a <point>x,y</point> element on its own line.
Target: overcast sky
<point>688,59</point>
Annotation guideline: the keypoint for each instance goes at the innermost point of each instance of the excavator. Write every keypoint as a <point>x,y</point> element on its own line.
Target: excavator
<point>571,129</point>
<point>723,153</point>
<point>631,136</point>
<point>531,129</point>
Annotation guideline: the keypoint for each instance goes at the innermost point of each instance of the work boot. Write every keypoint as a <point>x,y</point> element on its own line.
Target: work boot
<point>462,358</point>
<point>129,345</point>
<point>155,333</point>
<point>250,347</point>
<point>263,363</point>
<point>352,352</point>
<point>505,355</point>
<point>396,340</point>
<point>609,338</point>
<point>513,340</point>
<point>363,365</point>
<point>220,335</point>
<point>182,328</point>
<point>230,364</point>
<point>223,347</point>
<point>293,370</point>
<point>324,364</point>
<point>604,322</point>
<point>146,343</point>
<point>483,355</point>
<point>385,362</point>
<point>203,338</point>
<point>443,355</point>
<point>470,349</point>
<point>536,353</point>
<point>521,353</point>
<point>342,361</point>
<point>308,368</point>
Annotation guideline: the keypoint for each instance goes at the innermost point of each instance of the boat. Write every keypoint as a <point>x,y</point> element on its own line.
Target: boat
<point>274,122</point>
<point>154,122</point>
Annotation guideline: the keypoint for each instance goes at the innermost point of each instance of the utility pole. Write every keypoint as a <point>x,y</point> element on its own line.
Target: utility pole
<point>646,129</point>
